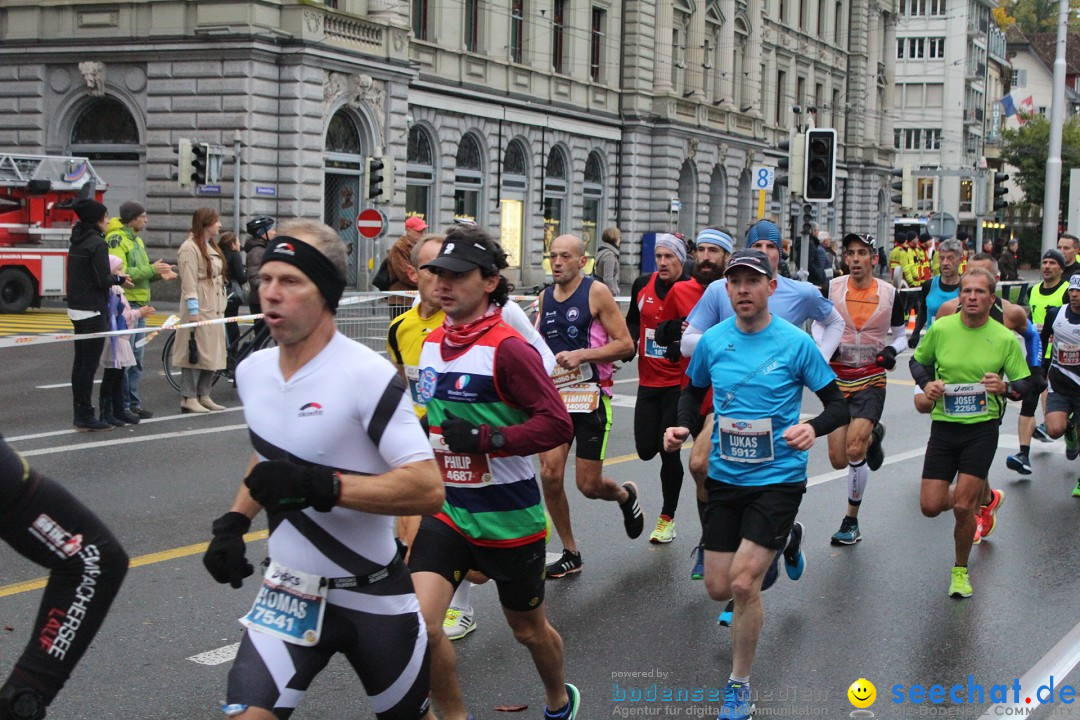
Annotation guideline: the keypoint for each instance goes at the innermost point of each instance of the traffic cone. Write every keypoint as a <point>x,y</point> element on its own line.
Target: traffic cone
<point>911,321</point>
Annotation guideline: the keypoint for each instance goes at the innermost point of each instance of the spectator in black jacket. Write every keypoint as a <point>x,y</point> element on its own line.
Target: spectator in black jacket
<point>88,283</point>
<point>234,273</point>
<point>1008,263</point>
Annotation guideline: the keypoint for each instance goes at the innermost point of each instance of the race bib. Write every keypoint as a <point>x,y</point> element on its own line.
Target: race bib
<point>965,400</point>
<point>857,355</point>
<point>582,398</point>
<point>412,374</point>
<point>652,350</point>
<point>1067,354</point>
<point>289,606</point>
<point>561,376</point>
<point>460,469</point>
<point>748,441</point>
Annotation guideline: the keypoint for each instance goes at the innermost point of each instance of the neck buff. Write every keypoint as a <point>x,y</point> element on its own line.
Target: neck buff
<point>456,337</point>
<point>311,262</point>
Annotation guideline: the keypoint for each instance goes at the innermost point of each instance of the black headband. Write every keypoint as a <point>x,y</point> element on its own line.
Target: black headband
<point>312,263</point>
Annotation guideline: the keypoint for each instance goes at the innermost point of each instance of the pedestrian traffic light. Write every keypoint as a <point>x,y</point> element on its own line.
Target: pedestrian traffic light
<point>906,186</point>
<point>199,163</point>
<point>820,178</point>
<point>997,191</point>
<point>792,162</point>
<point>376,170</point>
<point>183,171</point>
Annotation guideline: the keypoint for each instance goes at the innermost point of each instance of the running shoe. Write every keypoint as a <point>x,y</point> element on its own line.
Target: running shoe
<point>1076,490</point>
<point>1019,462</point>
<point>772,573</point>
<point>633,519</point>
<point>848,534</point>
<point>570,711</point>
<point>664,532</point>
<point>1041,434</point>
<point>875,454</point>
<point>458,622</point>
<point>988,513</point>
<point>698,553</point>
<point>737,703</point>
<point>724,618</point>
<point>569,563</point>
<point>1072,450</point>
<point>960,587</point>
<point>794,557</point>
<point>978,528</point>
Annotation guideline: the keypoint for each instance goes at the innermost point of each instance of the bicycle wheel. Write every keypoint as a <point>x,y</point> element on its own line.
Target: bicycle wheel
<point>172,375</point>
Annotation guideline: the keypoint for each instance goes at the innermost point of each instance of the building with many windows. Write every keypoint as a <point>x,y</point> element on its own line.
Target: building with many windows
<point>531,117</point>
<point>949,60</point>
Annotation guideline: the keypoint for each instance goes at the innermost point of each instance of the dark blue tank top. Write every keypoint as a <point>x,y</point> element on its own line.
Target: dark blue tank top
<point>566,325</point>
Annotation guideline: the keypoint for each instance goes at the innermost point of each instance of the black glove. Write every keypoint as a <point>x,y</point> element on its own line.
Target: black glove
<point>1038,379</point>
<point>887,357</point>
<point>461,435</point>
<point>279,486</point>
<point>912,341</point>
<point>225,557</point>
<point>673,353</point>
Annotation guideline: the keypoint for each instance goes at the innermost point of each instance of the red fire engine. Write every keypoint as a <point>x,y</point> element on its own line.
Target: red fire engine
<point>37,193</point>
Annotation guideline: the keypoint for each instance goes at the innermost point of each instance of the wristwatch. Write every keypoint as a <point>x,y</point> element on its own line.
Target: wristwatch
<point>496,440</point>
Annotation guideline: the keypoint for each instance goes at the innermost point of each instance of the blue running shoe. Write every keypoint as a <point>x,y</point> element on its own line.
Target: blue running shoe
<point>698,571</point>
<point>725,617</point>
<point>737,704</point>
<point>570,711</point>
<point>772,573</point>
<point>1020,462</point>
<point>1041,433</point>
<point>794,557</point>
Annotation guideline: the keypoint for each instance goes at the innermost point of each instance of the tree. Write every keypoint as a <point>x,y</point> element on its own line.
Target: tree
<point>1035,16</point>
<point>1001,15</point>
<point>1026,149</point>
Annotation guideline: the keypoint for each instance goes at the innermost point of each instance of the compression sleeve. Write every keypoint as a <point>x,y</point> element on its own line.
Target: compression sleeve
<point>833,332</point>
<point>835,412</point>
<point>900,341</point>
<point>1032,345</point>
<point>690,400</point>
<point>689,341</point>
<point>920,373</point>
<point>1047,329</point>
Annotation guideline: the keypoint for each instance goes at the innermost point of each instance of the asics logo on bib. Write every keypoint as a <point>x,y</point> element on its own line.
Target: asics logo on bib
<point>285,577</point>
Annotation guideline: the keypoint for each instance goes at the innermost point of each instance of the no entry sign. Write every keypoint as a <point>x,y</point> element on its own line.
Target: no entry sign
<point>371,223</point>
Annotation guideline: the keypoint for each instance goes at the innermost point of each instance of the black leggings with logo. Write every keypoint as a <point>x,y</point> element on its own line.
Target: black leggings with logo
<point>44,523</point>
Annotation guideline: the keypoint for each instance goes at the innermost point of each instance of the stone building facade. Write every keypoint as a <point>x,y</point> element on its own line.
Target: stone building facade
<point>531,117</point>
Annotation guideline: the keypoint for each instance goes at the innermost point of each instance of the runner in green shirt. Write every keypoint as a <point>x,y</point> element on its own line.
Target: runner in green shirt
<point>958,365</point>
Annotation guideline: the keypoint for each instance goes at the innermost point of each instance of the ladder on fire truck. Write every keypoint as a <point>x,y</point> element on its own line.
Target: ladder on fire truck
<point>33,186</point>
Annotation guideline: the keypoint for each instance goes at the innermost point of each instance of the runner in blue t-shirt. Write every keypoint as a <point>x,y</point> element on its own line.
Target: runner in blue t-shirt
<point>757,365</point>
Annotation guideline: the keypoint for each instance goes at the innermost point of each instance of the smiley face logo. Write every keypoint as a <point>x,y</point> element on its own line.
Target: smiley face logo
<point>862,693</point>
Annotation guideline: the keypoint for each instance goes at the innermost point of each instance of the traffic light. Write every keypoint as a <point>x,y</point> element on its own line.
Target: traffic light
<point>199,163</point>
<point>807,218</point>
<point>820,178</point>
<point>182,175</point>
<point>997,192</point>
<point>376,171</point>
<point>792,162</point>
<point>906,186</point>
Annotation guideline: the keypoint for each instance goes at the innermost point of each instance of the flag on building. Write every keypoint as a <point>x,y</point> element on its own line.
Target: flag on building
<point>1009,105</point>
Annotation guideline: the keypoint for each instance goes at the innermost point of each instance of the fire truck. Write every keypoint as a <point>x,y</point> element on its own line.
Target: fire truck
<point>37,193</point>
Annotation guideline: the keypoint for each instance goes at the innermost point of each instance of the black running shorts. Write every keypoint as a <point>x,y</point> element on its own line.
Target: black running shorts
<point>518,572</point>
<point>867,403</point>
<point>1057,402</point>
<point>960,448</point>
<point>591,430</point>
<point>763,514</point>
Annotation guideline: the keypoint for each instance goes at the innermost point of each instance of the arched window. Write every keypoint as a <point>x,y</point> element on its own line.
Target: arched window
<point>420,174</point>
<point>744,97</point>
<point>714,37</point>
<point>105,130</point>
<point>556,188</point>
<point>343,196</point>
<point>593,193</point>
<point>688,195</point>
<point>515,187</point>
<point>468,179</point>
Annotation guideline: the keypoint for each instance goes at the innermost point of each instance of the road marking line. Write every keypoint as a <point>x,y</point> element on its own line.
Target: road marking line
<point>187,550</point>
<point>217,656</point>
<point>131,440</point>
<point>73,431</point>
<point>1056,664</point>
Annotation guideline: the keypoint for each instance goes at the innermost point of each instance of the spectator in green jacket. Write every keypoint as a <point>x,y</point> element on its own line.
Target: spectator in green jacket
<point>124,242</point>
